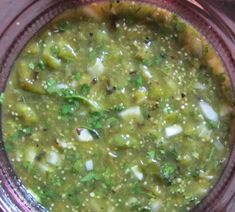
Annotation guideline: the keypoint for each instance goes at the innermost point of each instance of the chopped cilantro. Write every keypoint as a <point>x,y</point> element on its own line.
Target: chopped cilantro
<point>85,89</point>
<point>151,154</point>
<point>47,194</point>
<point>54,50</point>
<point>169,172</point>
<point>195,173</point>
<point>26,131</point>
<point>41,65</point>
<point>20,133</point>
<point>212,124</point>
<point>137,189</point>
<point>8,146</point>
<point>91,176</point>
<point>69,94</point>
<point>67,109</point>
<point>138,81</point>
<point>78,76</point>
<point>14,137</point>
<point>107,178</point>
<point>77,166</point>
<point>158,59</point>
<point>97,119</point>
<point>63,26</point>
<point>73,195</point>
<point>27,165</point>
<point>57,181</point>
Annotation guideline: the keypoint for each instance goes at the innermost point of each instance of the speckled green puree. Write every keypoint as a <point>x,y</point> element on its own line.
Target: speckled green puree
<point>118,107</point>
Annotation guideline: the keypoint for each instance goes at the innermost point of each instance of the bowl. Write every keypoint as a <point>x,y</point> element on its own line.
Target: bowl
<point>28,17</point>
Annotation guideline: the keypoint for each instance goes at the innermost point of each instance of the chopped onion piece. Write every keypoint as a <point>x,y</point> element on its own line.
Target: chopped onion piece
<point>147,73</point>
<point>112,154</point>
<point>139,175</point>
<point>155,205</point>
<point>132,113</point>
<point>85,136</point>
<point>62,86</point>
<point>209,177</point>
<point>30,154</point>
<point>54,158</point>
<point>173,130</point>
<point>45,167</point>
<point>204,132</point>
<point>202,190</point>
<point>97,69</point>
<point>200,86</point>
<point>89,165</point>
<point>218,145</point>
<point>208,111</point>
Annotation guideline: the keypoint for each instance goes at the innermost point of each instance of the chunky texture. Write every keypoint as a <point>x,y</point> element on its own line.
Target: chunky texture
<point>117,107</point>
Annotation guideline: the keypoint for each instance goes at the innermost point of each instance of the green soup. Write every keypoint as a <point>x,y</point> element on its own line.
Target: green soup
<point>118,107</point>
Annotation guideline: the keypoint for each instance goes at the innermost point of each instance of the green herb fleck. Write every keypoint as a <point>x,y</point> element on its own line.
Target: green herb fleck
<point>63,26</point>
<point>26,131</point>
<point>20,133</point>
<point>8,146</point>
<point>70,94</point>
<point>27,165</point>
<point>212,124</point>
<point>169,172</point>
<point>85,89</point>
<point>67,109</point>
<point>41,65</point>
<point>138,81</point>
<point>57,181</point>
<point>77,166</point>
<point>107,178</point>
<point>78,76</point>
<point>54,50</point>
<point>158,59</point>
<point>97,119</point>
<point>137,189</point>
<point>91,176</point>
<point>151,154</point>
<point>195,174</point>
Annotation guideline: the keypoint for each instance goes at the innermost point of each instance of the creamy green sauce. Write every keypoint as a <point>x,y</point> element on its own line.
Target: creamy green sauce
<point>117,107</point>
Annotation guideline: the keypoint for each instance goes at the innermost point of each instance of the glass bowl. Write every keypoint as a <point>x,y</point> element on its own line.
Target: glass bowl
<point>20,20</point>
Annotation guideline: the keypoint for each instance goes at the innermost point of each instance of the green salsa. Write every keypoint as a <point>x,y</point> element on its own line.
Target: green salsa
<point>118,107</point>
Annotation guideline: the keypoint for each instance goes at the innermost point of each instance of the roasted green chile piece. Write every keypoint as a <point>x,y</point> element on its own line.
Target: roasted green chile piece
<point>28,79</point>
